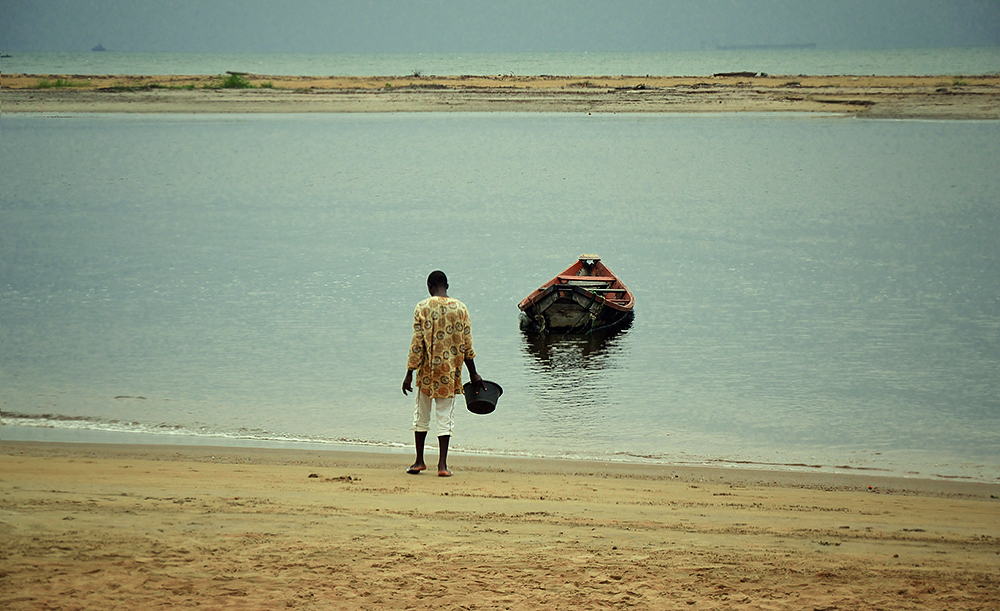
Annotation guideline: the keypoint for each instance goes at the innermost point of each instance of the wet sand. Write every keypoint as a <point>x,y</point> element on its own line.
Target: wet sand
<point>900,97</point>
<point>109,526</point>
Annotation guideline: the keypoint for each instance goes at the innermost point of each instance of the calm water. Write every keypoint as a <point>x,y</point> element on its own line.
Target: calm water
<point>810,290</point>
<point>967,61</point>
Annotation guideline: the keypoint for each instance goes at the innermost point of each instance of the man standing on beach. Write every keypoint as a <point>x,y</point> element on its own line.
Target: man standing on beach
<point>441,344</point>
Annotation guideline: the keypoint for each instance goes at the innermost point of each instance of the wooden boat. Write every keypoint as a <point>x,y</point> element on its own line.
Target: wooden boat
<point>587,296</point>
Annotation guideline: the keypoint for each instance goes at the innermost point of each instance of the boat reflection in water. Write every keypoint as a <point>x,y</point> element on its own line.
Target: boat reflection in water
<point>558,352</point>
<point>572,378</point>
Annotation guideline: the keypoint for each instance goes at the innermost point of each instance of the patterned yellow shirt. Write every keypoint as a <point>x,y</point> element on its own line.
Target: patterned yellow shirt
<point>442,341</point>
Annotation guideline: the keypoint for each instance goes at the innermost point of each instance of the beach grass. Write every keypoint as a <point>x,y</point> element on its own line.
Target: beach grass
<point>232,80</point>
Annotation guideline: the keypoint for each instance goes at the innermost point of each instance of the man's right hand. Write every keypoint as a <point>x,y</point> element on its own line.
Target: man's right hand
<point>408,382</point>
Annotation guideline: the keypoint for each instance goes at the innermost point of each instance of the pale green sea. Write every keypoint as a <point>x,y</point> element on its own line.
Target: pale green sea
<point>810,290</point>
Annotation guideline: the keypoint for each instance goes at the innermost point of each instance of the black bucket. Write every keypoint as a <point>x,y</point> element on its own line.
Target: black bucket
<point>482,401</point>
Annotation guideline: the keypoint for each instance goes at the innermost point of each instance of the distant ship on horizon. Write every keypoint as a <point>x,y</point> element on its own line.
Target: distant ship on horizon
<point>792,45</point>
<point>99,47</point>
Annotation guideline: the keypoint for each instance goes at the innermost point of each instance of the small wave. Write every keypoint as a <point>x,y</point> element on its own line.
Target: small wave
<point>51,420</point>
<point>206,435</point>
<point>167,429</point>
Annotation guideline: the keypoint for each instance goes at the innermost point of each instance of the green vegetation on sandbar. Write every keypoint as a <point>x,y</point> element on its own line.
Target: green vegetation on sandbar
<point>230,80</point>
<point>233,80</point>
<point>237,80</point>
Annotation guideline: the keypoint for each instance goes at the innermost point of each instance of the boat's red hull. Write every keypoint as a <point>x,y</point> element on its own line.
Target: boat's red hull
<point>584,297</point>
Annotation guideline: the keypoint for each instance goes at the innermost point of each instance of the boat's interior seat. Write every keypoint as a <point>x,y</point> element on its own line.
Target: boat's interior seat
<point>587,281</point>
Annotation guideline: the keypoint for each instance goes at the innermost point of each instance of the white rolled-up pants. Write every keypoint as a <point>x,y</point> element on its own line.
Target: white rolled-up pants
<point>444,414</point>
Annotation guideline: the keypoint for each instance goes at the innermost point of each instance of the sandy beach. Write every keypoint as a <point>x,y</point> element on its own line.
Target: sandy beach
<point>108,526</point>
<point>99,526</point>
<point>901,97</point>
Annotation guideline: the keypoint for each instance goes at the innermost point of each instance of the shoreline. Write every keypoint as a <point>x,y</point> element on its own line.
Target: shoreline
<point>93,525</point>
<point>952,97</point>
<point>47,435</point>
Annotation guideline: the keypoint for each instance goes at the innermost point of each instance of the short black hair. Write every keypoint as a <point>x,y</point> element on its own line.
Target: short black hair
<point>437,278</point>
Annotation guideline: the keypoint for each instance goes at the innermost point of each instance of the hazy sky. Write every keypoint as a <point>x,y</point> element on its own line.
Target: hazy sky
<point>370,26</point>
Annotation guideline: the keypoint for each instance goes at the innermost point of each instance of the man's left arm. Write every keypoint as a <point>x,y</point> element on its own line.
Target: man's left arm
<point>470,354</point>
<point>474,377</point>
<point>416,356</point>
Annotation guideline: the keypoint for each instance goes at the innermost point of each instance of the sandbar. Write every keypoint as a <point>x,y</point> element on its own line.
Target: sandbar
<point>88,526</point>
<point>887,97</point>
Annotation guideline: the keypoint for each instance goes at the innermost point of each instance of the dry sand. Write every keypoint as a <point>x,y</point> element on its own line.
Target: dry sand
<point>923,97</point>
<point>141,527</point>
